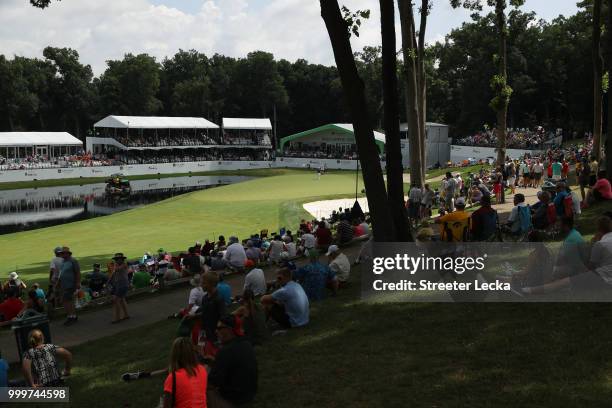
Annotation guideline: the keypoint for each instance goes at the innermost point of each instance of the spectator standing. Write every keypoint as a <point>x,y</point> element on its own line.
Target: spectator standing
<point>69,282</point>
<point>427,202</point>
<point>120,284</point>
<point>54,271</point>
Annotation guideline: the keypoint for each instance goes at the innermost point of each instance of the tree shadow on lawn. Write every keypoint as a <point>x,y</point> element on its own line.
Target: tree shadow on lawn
<point>441,355</point>
<point>390,355</point>
<point>39,272</point>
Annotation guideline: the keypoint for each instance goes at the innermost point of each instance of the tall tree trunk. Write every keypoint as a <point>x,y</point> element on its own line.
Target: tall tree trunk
<point>410,73</point>
<point>354,93</point>
<point>422,84</point>
<point>597,80</point>
<point>503,100</point>
<point>395,170</point>
<point>10,122</point>
<point>608,56</point>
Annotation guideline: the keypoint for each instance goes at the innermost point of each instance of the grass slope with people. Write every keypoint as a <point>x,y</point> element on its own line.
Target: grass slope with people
<point>239,209</point>
<point>418,354</point>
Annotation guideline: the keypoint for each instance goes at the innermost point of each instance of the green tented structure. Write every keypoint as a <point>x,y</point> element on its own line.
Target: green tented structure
<point>338,135</point>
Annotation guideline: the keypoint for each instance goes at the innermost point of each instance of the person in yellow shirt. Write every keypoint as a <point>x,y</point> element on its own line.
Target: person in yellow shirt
<point>457,223</point>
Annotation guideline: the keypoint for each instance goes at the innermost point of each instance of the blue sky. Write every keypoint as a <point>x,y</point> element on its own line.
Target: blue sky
<point>290,29</point>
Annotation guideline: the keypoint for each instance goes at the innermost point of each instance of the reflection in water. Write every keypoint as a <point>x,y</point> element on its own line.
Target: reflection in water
<point>28,209</point>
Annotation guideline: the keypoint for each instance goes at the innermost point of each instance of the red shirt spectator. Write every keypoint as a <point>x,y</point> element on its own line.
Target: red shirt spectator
<point>323,235</point>
<point>10,308</point>
<point>358,230</point>
<point>603,187</point>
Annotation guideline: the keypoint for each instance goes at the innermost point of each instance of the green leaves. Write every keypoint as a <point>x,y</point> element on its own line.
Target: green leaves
<point>41,3</point>
<point>353,20</point>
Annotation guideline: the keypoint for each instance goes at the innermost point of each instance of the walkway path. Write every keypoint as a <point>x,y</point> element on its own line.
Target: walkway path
<point>95,324</point>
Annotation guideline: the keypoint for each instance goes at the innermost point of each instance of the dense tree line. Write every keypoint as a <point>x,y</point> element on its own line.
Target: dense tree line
<point>549,70</point>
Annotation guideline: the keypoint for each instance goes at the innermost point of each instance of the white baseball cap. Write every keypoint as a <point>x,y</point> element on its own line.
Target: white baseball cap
<point>332,249</point>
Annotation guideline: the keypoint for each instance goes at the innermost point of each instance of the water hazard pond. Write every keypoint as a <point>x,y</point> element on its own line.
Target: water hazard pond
<point>28,209</point>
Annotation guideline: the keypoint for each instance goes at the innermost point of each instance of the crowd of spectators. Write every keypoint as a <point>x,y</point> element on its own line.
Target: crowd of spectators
<point>81,159</point>
<point>532,139</point>
<point>320,152</point>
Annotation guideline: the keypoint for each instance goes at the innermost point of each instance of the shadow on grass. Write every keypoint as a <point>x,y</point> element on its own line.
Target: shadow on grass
<point>391,355</point>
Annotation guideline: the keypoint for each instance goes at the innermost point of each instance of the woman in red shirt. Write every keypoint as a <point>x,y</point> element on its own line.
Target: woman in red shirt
<point>185,386</point>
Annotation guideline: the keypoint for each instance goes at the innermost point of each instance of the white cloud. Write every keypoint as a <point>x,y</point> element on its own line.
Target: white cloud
<point>102,30</point>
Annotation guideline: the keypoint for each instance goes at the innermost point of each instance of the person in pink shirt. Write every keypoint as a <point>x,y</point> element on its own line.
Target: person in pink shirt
<point>601,191</point>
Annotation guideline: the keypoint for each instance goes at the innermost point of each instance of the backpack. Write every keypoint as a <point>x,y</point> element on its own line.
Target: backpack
<point>568,206</point>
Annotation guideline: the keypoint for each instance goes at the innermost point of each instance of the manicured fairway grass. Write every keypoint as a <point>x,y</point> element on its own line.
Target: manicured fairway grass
<point>175,224</point>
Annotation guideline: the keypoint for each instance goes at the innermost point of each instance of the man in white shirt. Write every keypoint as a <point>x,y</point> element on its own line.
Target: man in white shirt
<point>290,247</point>
<point>339,263</point>
<point>308,241</point>
<point>235,255</point>
<point>255,280</point>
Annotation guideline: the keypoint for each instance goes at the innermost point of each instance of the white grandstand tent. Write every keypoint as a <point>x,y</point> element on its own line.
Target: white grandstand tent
<point>154,122</point>
<point>246,124</point>
<point>52,144</point>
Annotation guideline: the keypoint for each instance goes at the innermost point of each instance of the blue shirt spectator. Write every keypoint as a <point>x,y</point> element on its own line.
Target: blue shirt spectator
<point>295,301</point>
<point>314,278</point>
<point>559,202</point>
<point>225,292</point>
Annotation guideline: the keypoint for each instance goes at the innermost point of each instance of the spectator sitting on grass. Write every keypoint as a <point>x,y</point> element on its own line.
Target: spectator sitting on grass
<point>255,281</point>
<point>252,253</point>
<point>276,247</point>
<point>601,190</point>
<point>344,231</point>
<point>224,290</point>
<point>97,279</point>
<point>33,303</point>
<point>39,292</point>
<point>308,241</point>
<point>232,380</point>
<point>192,264</point>
<point>324,236</point>
<point>186,383</point>
<point>141,278</point>
<point>213,306</point>
<point>253,318</point>
<point>206,248</point>
<point>14,283</point>
<point>287,306</point>
<point>339,265</point>
<point>39,364</point>
<point>316,277</point>
<point>290,247</point>
<point>10,308</point>
<point>217,263</point>
<point>220,245</point>
<point>194,302</point>
<point>235,255</point>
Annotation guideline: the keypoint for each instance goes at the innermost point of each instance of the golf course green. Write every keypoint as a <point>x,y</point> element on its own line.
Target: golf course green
<point>175,224</point>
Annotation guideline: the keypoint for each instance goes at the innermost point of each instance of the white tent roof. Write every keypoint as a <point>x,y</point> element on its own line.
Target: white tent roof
<point>377,135</point>
<point>38,139</point>
<point>155,122</point>
<point>246,123</point>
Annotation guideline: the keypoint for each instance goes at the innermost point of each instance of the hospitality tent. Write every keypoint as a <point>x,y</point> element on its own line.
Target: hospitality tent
<point>154,122</point>
<point>52,144</point>
<point>246,124</point>
<point>340,134</point>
